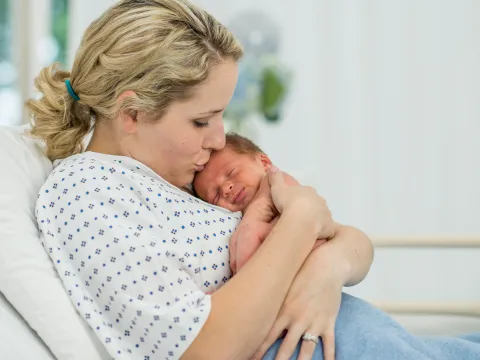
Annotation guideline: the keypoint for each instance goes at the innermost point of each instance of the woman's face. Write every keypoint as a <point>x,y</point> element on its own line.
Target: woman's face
<point>179,144</point>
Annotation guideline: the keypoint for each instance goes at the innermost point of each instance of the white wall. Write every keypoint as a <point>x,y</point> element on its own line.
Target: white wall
<point>30,34</point>
<point>82,13</point>
<point>399,97</point>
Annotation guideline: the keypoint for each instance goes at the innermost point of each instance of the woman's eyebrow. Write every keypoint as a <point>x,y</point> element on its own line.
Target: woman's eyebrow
<point>211,112</point>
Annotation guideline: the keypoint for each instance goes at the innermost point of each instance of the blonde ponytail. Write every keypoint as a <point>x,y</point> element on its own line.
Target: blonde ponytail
<point>56,117</point>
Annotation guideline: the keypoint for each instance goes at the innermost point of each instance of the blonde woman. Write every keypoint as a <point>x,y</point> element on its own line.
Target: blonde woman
<point>136,252</point>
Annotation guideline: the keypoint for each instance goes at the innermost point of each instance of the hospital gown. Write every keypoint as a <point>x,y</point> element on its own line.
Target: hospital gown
<point>136,255</point>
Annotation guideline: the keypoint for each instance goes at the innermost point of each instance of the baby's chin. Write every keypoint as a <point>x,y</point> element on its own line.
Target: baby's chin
<point>245,206</point>
<point>235,208</point>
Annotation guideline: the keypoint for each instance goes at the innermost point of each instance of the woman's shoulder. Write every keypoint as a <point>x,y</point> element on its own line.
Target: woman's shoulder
<point>104,168</point>
<point>90,162</point>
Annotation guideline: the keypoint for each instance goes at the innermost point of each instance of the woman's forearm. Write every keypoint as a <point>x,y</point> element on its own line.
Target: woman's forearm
<point>244,309</point>
<point>349,253</point>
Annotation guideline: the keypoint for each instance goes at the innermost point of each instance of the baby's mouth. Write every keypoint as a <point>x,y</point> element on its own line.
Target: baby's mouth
<point>239,197</point>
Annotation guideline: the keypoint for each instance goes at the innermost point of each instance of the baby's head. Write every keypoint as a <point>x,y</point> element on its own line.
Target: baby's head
<point>232,176</point>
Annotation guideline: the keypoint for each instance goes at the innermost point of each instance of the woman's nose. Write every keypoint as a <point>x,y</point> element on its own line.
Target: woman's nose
<point>216,139</point>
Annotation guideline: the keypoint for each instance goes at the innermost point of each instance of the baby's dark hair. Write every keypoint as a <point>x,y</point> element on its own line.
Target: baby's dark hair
<point>241,145</point>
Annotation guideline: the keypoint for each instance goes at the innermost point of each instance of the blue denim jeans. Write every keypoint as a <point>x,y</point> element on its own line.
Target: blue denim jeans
<point>363,332</point>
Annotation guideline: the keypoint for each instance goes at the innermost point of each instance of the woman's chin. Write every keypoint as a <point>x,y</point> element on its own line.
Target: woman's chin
<point>184,182</point>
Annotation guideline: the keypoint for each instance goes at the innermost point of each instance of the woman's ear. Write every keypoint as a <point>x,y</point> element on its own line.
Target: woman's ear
<point>265,161</point>
<point>127,116</point>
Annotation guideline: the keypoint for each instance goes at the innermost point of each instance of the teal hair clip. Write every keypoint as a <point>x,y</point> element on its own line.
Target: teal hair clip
<point>70,91</point>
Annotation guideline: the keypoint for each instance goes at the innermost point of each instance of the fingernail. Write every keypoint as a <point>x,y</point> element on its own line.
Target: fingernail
<point>273,169</point>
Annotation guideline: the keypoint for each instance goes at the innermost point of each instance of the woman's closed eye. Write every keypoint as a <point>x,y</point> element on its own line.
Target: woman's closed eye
<point>201,123</point>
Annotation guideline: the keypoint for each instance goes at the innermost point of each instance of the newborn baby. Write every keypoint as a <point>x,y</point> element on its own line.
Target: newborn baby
<point>231,179</point>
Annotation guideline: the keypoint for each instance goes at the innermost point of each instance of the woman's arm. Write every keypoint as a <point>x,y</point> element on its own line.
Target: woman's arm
<point>349,252</point>
<point>313,300</point>
<point>351,249</point>
<point>244,309</point>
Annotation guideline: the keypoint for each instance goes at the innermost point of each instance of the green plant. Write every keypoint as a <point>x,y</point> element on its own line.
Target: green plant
<point>261,90</point>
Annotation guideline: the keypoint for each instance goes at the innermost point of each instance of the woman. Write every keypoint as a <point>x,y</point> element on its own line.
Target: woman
<point>156,77</point>
<point>138,254</point>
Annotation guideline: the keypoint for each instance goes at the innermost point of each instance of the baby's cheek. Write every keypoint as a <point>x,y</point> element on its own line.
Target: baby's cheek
<point>199,189</point>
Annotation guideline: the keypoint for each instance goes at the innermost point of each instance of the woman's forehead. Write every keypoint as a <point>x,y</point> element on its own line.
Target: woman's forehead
<point>216,91</point>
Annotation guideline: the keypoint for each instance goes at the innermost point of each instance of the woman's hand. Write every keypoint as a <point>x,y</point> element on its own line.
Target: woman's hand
<point>260,216</point>
<point>303,201</point>
<point>246,239</point>
<point>311,306</point>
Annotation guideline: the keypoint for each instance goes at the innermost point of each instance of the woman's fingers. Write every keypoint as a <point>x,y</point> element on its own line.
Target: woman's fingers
<point>328,340</point>
<point>318,243</point>
<point>277,183</point>
<point>232,250</point>
<point>307,348</point>
<point>233,264</point>
<point>289,343</point>
<point>280,325</point>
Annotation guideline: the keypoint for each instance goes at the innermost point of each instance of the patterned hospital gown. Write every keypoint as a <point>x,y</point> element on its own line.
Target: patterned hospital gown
<point>136,254</point>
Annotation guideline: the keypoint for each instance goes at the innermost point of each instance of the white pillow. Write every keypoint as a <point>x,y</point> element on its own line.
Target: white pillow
<point>18,339</point>
<point>27,276</point>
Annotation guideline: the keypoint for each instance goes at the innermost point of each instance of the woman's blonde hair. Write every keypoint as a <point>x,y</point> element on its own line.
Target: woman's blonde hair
<point>160,49</point>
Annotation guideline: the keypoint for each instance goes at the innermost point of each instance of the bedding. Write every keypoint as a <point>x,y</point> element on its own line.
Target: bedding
<point>27,276</point>
<point>18,340</point>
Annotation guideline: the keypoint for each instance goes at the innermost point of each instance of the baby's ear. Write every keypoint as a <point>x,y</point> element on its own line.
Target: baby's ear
<point>265,161</point>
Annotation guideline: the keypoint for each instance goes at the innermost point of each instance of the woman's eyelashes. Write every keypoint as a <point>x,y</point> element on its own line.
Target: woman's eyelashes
<point>201,123</point>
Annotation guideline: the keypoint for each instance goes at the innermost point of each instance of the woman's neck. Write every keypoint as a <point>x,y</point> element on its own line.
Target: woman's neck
<point>105,141</point>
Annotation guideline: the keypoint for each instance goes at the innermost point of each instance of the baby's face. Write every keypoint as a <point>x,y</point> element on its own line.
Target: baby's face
<point>231,180</point>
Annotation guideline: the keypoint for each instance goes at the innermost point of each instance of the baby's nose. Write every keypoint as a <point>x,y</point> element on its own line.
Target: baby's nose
<point>226,189</point>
